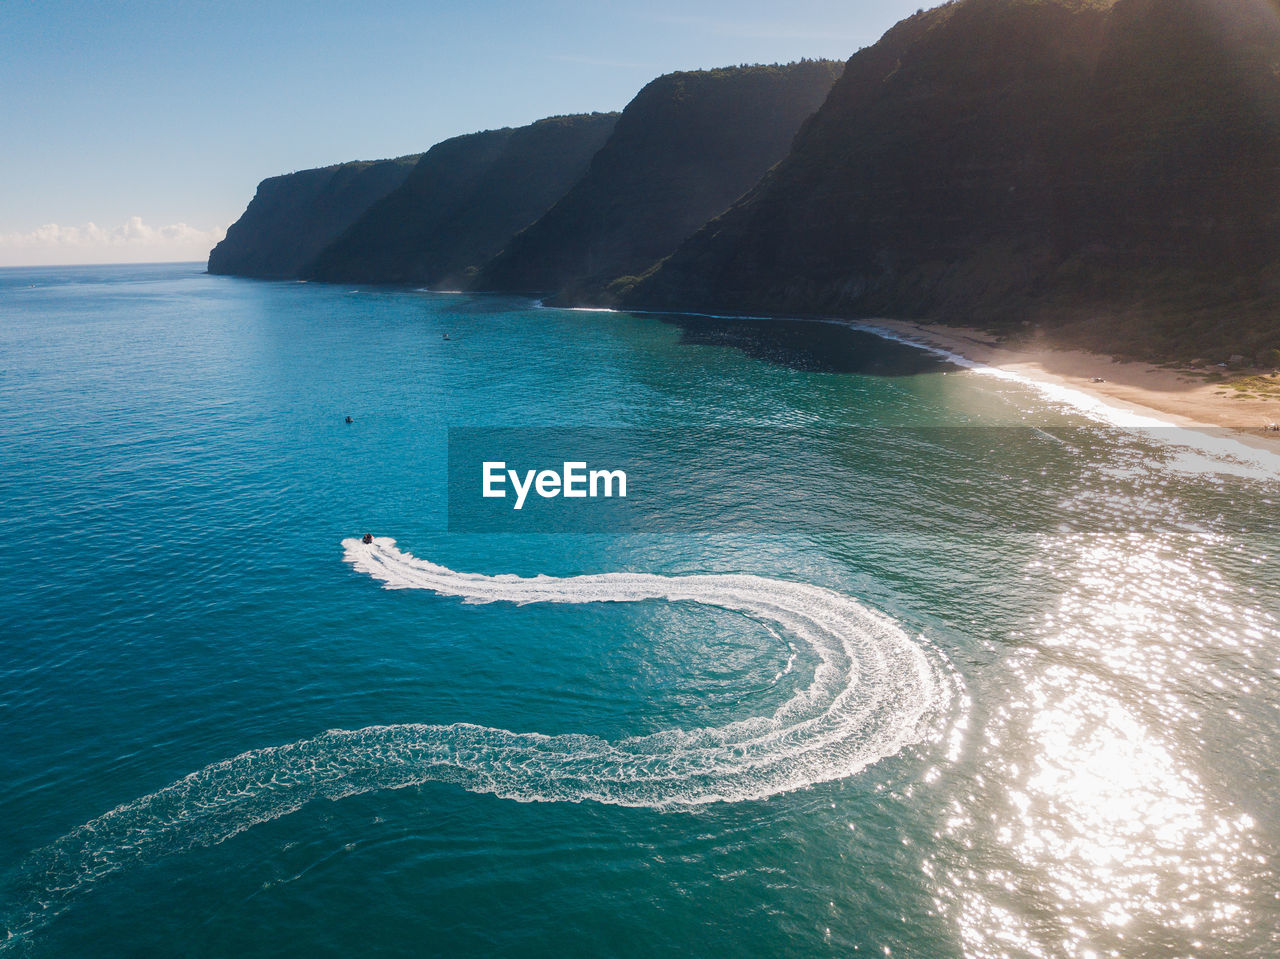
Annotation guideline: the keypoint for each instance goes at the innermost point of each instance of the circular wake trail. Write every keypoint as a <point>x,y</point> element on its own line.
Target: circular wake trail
<point>871,694</point>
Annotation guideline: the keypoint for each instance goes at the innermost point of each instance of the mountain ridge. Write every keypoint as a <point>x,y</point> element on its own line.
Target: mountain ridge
<point>685,147</point>
<point>1104,172</point>
<point>463,201</point>
<point>295,215</point>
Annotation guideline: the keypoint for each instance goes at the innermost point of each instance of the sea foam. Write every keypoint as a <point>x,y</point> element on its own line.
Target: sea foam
<point>1205,451</point>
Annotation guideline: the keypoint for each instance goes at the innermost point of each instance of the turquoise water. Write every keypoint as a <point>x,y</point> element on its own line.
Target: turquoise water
<point>923,665</point>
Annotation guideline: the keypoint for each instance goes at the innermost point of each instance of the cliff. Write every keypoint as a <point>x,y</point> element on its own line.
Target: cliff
<point>1106,171</point>
<point>463,201</point>
<point>293,217</point>
<point>685,147</point>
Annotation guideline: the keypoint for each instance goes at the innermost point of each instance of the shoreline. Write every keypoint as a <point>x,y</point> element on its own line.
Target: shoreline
<point>1129,392</point>
<point>1123,393</point>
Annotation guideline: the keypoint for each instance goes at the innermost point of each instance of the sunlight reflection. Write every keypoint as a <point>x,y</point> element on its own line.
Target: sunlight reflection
<point>1089,828</point>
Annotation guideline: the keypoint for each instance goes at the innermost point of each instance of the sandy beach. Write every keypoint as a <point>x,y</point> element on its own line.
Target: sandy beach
<point>1183,397</point>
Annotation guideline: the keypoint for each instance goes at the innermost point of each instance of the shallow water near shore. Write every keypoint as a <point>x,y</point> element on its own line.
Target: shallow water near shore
<point>970,674</point>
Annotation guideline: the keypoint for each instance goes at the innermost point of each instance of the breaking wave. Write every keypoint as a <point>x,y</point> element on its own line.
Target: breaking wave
<point>873,692</point>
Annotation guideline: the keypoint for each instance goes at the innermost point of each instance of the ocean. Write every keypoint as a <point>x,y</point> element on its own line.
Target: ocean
<point>879,655</point>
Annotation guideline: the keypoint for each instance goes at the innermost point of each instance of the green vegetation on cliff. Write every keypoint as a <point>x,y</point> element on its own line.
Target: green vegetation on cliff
<point>685,148</point>
<point>463,201</point>
<point>293,217</point>
<point>1106,171</point>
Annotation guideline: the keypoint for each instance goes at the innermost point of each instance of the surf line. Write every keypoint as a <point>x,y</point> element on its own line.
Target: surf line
<point>873,691</point>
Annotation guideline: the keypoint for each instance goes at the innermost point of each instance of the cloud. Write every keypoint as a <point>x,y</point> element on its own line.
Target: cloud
<point>132,241</point>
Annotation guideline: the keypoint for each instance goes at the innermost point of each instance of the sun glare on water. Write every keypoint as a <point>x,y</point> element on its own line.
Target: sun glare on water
<point>1098,834</point>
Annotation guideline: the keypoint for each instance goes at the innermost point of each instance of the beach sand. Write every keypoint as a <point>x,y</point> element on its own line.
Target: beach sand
<point>1177,396</point>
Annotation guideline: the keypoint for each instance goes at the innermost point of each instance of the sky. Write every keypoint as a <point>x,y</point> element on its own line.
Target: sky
<point>137,130</point>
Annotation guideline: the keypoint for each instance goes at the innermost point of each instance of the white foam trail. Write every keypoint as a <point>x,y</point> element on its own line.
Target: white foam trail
<point>872,693</point>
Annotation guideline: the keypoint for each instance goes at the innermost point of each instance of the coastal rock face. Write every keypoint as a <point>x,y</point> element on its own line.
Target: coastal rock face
<point>684,149</point>
<point>293,217</point>
<point>1110,171</point>
<point>463,201</point>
